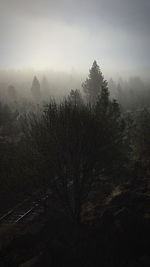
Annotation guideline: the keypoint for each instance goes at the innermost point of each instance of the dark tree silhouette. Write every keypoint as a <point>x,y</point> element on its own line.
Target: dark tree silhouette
<point>75,97</point>
<point>142,137</point>
<point>94,84</point>
<point>35,89</point>
<point>76,144</point>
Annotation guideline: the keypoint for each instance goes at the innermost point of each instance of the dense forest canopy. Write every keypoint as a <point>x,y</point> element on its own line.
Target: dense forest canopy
<point>95,130</point>
<point>87,150</point>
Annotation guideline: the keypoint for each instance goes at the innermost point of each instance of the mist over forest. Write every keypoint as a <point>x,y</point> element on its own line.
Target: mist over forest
<point>75,158</point>
<point>132,92</point>
<point>74,133</point>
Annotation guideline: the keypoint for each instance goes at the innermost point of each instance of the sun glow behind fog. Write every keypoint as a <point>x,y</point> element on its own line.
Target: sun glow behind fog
<point>59,46</point>
<point>56,35</point>
<point>53,45</point>
<point>63,47</point>
<point>39,51</point>
<point>44,44</point>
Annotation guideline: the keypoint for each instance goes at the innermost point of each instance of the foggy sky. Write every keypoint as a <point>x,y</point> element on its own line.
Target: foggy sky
<point>69,34</point>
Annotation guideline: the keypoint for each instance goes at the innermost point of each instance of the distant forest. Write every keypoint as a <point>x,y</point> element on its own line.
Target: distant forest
<point>81,147</point>
<point>132,93</point>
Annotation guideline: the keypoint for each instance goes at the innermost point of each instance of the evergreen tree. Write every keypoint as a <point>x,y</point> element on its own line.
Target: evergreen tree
<point>95,85</point>
<point>142,137</point>
<point>75,97</point>
<point>35,89</point>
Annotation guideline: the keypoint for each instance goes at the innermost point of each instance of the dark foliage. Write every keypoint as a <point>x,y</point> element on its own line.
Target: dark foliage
<point>76,144</point>
<point>94,159</point>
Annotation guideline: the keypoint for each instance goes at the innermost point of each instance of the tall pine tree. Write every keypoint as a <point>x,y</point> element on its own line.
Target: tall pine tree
<point>95,86</point>
<point>35,89</point>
